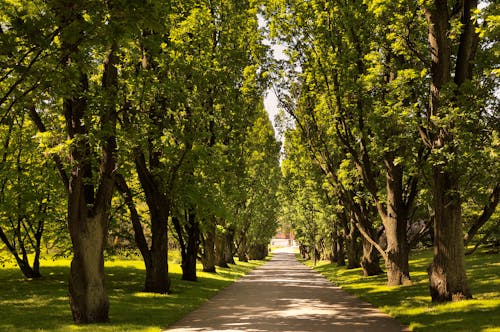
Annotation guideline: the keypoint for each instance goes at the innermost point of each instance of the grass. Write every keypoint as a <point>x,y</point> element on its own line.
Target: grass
<point>412,305</point>
<point>42,305</point>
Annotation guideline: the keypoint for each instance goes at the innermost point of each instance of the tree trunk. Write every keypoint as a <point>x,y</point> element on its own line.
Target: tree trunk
<point>447,274</point>
<point>220,250</point>
<point>258,251</point>
<point>22,262</point>
<point>229,245</point>
<point>139,237</point>
<point>88,208</point>
<point>333,247</point>
<point>395,224</point>
<point>157,279</point>
<point>353,255</point>
<point>242,248</point>
<point>370,262</point>
<point>340,249</point>
<point>208,244</point>
<point>88,297</point>
<point>193,240</point>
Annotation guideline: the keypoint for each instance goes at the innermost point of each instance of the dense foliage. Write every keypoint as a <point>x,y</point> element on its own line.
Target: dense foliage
<point>136,125</point>
<point>392,113</point>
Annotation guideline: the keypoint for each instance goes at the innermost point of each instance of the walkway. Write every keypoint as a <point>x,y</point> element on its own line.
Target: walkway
<point>284,295</point>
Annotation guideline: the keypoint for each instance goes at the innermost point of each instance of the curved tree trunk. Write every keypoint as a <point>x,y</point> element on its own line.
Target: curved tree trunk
<point>370,262</point>
<point>157,279</point>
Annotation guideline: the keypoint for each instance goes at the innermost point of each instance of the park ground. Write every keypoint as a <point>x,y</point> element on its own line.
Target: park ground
<point>30,305</point>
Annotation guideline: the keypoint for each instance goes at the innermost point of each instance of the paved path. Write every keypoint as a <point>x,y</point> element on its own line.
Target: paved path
<point>284,295</point>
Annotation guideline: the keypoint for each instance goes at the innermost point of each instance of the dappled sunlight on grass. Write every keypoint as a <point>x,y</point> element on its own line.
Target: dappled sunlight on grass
<point>412,304</point>
<point>27,305</point>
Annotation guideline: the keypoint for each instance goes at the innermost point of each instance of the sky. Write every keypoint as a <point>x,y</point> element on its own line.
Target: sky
<point>270,100</point>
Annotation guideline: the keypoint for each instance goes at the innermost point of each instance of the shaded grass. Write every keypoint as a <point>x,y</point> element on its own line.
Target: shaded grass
<point>412,305</point>
<point>42,305</point>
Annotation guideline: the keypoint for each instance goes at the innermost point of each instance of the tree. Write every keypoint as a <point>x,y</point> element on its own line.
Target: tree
<point>29,195</point>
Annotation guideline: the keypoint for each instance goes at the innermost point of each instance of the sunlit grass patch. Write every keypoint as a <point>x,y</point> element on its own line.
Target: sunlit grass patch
<point>42,305</point>
<point>412,304</point>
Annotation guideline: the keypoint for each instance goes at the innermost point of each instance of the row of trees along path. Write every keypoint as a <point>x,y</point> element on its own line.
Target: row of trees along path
<point>284,295</point>
<point>155,108</point>
<point>141,122</point>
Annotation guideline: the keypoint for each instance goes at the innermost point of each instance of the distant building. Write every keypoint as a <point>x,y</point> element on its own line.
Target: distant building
<point>283,239</point>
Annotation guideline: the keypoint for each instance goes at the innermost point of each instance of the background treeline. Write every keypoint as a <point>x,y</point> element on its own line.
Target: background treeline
<point>134,124</point>
<point>391,129</point>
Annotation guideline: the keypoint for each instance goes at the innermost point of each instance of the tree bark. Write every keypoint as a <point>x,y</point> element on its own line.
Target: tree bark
<point>220,249</point>
<point>242,248</point>
<point>258,251</point>
<point>333,246</point>
<point>339,244</point>
<point>447,273</point>
<point>88,209</point>
<point>157,279</point>
<point>139,237</point>
<point>208,246</point>
<point>352,247</point>
<point>193,243</point>
<point>190,246</point>
<point>395,224</point>
<point>370,262</point>
<point>229,245</point>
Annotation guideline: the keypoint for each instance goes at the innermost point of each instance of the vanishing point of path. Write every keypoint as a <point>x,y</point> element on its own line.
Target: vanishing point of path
<point>284,295</point>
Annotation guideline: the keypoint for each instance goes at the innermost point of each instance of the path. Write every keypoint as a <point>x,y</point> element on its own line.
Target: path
<point>284,295</point>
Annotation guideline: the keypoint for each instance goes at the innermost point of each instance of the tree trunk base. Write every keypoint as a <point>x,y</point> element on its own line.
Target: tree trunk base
<point>440,289</point>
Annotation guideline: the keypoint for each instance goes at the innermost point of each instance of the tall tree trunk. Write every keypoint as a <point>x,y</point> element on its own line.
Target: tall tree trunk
<point>229,245</point>
<point>220,249</point>
<point>447,273</point>
<point>339,243</point>
<point>88,209</point>
<point>370,261</point>
<point>208,246</point>
<point>333,246</point>
<point>193,242</point>
<point>88,297</point>
<point>395,224</point>
<point>242,248</point>
<point>157,279</point>
<point>352,248</point>
<point>139,237</point>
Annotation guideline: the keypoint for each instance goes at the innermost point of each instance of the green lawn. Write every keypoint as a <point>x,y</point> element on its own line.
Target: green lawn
<point>42,305</point>
<point>412,306</point>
